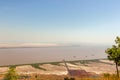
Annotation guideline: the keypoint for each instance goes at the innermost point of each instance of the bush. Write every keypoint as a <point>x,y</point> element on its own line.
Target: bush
<point>11,75</point>
<point>69,78</point>
<point>106,75</point>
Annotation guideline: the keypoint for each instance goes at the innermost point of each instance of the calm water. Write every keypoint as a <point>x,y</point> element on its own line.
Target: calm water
<point>35,55</point>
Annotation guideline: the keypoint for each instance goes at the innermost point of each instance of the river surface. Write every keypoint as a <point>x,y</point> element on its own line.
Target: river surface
<point>10,56</point>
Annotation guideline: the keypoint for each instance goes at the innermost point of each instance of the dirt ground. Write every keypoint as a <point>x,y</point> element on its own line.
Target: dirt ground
<point>103,66</point>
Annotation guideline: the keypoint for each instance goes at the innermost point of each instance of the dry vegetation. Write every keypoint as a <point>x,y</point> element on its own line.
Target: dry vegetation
<point>57,71</point>
<point>62,77</point>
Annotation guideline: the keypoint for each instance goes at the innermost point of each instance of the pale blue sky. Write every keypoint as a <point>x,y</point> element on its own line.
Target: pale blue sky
<point>59,21</point>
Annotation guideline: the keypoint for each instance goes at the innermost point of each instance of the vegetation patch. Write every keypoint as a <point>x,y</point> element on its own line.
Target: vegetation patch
<point>37,66</point>
<point>55,63</point>
<point>52,63</point>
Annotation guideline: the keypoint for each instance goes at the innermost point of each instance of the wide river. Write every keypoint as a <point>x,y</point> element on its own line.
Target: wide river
<point>9,56</point>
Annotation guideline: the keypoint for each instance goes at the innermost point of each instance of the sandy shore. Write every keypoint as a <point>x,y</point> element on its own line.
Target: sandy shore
<point>103,66</point>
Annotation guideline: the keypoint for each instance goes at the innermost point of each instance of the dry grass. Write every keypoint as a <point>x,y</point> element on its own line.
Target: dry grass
<point>61,77</point>
<point>56,77</point>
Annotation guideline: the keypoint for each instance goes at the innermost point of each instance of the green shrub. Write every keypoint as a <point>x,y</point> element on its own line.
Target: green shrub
<point>66,78</point>
<point>106,75</point>
<point>11,75</point>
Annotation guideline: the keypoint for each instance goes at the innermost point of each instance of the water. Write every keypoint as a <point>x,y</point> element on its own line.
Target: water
<point>11,56</point>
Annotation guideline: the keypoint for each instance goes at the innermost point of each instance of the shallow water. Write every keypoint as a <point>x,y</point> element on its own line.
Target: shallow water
<point>11,56</point>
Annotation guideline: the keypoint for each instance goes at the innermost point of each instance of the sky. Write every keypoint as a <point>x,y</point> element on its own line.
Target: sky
<point>59,21</point>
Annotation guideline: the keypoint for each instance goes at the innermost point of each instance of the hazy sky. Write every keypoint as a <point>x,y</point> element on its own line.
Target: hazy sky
<point>59,21</point>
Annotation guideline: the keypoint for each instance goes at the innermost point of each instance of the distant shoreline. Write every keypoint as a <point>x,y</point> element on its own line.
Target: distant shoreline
<point>52,62</point>
<point>36,47</point>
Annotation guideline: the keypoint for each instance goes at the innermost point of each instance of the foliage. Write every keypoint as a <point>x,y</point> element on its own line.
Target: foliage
<point>114,53</point>
<point>66,78</point>
<point>55,63</point>
<point>106,75</point>
<point>11,75</point>
<point>37,66</point>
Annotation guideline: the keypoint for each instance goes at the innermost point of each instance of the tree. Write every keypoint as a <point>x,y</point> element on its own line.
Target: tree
<point>11,75</point>
<point>114,53</point>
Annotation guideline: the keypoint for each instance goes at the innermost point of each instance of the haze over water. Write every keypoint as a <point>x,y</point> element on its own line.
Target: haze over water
<point>56,21</point>
<point>10,56</point>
